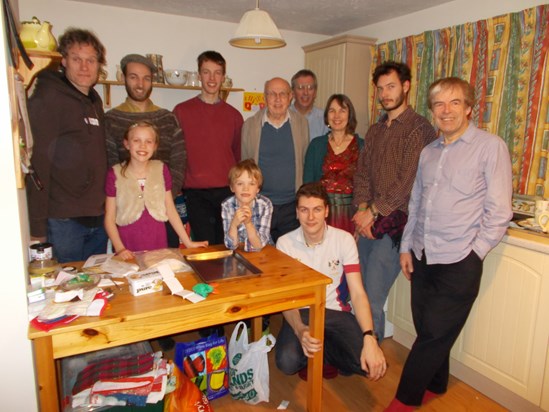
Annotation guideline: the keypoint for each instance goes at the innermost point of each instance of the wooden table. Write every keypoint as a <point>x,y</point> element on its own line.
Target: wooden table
<point>284,284</point>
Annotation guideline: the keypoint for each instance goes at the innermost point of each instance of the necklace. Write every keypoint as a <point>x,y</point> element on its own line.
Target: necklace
<point>337,145</point>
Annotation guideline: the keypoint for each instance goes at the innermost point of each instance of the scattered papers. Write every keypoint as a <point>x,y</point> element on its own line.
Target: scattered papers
<point>97,260</point>
<point>118,268</point>
<point>175,286</point>
<point>61,296</point>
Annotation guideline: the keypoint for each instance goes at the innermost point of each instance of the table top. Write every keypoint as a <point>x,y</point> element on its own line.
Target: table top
<point>283,281</point>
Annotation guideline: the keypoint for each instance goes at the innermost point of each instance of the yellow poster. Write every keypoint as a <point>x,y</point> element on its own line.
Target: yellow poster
<point>253,101</point>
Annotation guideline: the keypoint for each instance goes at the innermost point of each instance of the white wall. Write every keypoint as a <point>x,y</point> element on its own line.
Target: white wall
<point>445,15</point>
<point>179,39</point>
<point>17,392</point>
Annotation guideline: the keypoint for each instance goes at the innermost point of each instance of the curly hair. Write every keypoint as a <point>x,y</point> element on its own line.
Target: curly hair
<point>74,36</point>
<point>402,71</point>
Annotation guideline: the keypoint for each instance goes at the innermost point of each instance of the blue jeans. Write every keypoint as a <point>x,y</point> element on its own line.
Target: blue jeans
<point>380,266</point>
<point>342,344</point>
<point>73,241</point>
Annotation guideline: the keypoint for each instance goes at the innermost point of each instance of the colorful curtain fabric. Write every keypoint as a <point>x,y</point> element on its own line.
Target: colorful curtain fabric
<point>505,59</point>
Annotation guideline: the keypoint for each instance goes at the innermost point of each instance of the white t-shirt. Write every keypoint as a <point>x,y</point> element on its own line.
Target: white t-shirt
<point>335,256</point>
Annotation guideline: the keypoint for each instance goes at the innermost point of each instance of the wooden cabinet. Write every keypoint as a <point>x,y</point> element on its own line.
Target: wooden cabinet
<point>224,93</point>
<point>342,65</point>
<point>506,336</point>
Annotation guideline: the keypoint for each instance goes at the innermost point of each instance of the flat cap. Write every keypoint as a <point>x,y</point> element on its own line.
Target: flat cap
<point>137,58</point>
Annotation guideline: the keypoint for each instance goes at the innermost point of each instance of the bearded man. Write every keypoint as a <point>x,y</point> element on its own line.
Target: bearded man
<point>138,75</point>
<point>383,181</point>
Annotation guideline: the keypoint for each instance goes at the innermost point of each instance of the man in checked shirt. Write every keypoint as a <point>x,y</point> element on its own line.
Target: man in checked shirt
<point>383,181</point>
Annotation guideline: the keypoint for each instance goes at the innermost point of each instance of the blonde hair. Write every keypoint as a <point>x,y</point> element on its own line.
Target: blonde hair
<point>249,166</point>
<point>141,123</point>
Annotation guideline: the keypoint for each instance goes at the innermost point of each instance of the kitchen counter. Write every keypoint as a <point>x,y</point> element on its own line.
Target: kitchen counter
<point>502,350</point>
<point>527,239</point>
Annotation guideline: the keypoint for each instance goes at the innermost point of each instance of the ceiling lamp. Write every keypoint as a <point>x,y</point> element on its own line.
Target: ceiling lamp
<point>257,31</point>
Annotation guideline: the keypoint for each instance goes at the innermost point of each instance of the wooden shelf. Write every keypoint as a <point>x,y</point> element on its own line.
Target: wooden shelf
<point>108,83</point>
<point>41,60</point>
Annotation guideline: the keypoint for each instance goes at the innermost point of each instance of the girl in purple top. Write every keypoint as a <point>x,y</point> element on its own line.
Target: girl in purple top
<point>139,198</point>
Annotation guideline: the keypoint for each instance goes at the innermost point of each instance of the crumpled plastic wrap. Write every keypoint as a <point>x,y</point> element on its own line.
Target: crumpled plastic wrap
<point>153,258</point>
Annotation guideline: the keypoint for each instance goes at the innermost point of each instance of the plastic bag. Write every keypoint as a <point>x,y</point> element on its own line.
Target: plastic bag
<point>249,366</point>
<point>204,361</point>
<point>152,258</point>
<point>186,397</point>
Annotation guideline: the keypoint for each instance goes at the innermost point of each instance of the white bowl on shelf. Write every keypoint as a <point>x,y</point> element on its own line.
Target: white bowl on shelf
<point>175,77</point>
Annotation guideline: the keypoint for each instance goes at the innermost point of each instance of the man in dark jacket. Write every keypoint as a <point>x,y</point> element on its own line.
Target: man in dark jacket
<point>69,156</point>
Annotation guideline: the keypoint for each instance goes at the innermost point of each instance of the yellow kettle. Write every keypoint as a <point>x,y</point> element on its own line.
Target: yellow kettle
<point>37,36</point>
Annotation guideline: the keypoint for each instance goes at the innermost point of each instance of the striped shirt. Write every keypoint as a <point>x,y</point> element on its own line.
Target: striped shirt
<point>387,165</point>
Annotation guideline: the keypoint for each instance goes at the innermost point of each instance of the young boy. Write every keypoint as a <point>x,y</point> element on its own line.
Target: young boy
<point>247,214</point>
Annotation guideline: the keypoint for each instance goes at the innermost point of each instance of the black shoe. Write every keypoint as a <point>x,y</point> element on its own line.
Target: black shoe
<point>206,332</point>
<point>166,344</point>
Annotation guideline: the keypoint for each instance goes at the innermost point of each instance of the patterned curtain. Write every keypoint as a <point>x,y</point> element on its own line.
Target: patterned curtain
<point>505,59</point>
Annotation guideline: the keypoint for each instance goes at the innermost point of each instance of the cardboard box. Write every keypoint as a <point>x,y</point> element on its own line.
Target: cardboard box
<point>147,281</point>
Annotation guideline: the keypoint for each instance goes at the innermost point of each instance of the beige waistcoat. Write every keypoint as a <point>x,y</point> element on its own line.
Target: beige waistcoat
<point>131,200</point>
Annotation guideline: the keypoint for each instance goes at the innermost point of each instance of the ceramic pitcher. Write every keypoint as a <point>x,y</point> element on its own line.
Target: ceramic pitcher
<point>36,35</point>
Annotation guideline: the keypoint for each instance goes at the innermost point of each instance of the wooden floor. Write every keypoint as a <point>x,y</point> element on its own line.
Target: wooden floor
<point>353,393</point>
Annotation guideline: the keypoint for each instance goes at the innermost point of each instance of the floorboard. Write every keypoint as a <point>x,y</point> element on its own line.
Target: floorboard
<point>353,393</point>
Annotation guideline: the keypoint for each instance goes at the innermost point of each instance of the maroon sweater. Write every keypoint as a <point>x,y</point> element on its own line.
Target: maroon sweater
<point>212,138</point>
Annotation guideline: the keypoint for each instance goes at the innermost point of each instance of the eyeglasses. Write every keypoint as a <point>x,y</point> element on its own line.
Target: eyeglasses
<point>274,95</point>
<point>305,86</point>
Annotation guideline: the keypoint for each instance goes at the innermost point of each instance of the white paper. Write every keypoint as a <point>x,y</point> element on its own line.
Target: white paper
<point>96,260</point>
<point>69,295</point>
<point>95,308</point>
<point>175,286</point>
<point>63,276</point>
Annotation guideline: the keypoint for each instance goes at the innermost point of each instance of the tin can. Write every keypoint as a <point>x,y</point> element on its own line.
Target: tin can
<point>41,251</point>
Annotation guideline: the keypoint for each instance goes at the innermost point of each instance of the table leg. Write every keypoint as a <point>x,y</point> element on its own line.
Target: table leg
<point>315,364</point>
<point>46,374</point>
<point>257,328</point>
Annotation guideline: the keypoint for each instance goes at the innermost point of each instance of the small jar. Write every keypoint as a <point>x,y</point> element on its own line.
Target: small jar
<point>42,260</point>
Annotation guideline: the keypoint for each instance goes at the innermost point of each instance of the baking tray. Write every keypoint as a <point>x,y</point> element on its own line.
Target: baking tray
<point>226,264</point>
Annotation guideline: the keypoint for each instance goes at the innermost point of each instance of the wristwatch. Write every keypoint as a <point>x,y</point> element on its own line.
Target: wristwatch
<point>369,332</point>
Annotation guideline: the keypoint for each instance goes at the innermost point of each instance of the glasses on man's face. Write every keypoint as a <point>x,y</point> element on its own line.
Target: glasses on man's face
<point>305,87</point>
<point>274,95</point>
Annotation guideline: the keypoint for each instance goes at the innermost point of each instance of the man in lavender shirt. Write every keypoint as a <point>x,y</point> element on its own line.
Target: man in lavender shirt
<point>459,210</point>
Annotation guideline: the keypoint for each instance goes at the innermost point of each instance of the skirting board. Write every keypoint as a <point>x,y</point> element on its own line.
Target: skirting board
<point>498,393</point>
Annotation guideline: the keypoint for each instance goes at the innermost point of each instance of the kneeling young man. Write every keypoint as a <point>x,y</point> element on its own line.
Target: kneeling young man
<point>350,345</point>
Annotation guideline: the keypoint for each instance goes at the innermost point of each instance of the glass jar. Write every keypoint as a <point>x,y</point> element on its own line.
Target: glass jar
<point>42,260</point>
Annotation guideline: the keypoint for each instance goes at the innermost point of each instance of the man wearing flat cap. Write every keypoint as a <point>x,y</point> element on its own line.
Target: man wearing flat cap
<point>138,77</point>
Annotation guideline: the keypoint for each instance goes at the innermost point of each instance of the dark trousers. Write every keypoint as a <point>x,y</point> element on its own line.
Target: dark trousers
<point>342,344</point>
<point>442,297</point>
<point>204,209</point>
<point>284,220</point>
<point>173,238</point>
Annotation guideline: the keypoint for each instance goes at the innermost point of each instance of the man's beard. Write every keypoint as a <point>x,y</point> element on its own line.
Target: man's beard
<point>396,105</point>
<point>138,98</point>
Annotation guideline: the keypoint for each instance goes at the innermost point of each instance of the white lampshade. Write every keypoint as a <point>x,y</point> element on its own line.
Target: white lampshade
<point>257,31</point>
